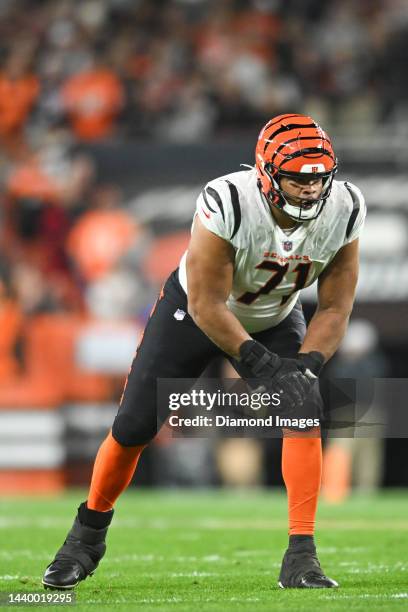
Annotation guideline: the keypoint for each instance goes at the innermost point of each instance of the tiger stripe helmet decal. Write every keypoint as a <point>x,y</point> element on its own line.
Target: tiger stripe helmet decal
<point>291,145</point>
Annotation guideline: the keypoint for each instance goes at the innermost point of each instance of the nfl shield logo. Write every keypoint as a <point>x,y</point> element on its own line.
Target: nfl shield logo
<point>287,245</point>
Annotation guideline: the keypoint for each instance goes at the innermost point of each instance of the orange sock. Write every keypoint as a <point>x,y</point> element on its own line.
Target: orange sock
<point>302,473</point>
<point>113,470</point>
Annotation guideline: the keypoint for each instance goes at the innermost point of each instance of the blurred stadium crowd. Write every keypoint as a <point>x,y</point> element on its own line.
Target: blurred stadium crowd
<point>74,72</point>
<point>181,69</point>
<point>79,271</point>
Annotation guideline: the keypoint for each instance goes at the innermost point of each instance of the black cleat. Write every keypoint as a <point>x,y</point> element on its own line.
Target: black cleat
<point>301,570</point>
<point>78,557</point>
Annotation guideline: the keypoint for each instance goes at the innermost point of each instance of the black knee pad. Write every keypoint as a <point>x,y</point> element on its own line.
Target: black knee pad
<point>132,430</point>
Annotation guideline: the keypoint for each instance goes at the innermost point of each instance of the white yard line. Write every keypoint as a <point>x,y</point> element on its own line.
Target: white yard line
<point>367,596</point>
<point>206,524</point>
<point>177,600</point>
<point>193,574</point>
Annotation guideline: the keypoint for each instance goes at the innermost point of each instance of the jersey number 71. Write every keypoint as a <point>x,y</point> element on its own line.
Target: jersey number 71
<point>278,273</point>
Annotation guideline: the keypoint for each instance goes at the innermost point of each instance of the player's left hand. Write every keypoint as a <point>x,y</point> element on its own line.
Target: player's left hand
<point>295,380</point>
<point>313,362</point>
<point>291,379</point>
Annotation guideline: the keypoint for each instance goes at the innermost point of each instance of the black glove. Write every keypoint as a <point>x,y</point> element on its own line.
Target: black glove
<point>313,361</point>
<point>267,372</point>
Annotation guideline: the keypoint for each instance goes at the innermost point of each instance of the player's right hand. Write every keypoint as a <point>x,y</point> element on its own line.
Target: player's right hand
<point>266,372</point>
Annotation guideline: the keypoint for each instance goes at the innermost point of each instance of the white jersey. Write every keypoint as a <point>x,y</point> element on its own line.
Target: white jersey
<point>272,265</point>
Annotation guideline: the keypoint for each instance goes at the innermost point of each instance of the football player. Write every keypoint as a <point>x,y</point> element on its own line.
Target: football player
<point>259,236</point>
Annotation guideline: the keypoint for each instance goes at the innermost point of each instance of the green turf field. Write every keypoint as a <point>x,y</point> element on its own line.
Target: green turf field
<point>214,550</point>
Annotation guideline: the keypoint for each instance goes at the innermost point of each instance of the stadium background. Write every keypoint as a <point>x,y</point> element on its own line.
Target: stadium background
<point>113,114</point>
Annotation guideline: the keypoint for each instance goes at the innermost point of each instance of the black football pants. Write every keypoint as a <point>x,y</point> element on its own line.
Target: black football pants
<point>176,348</point>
